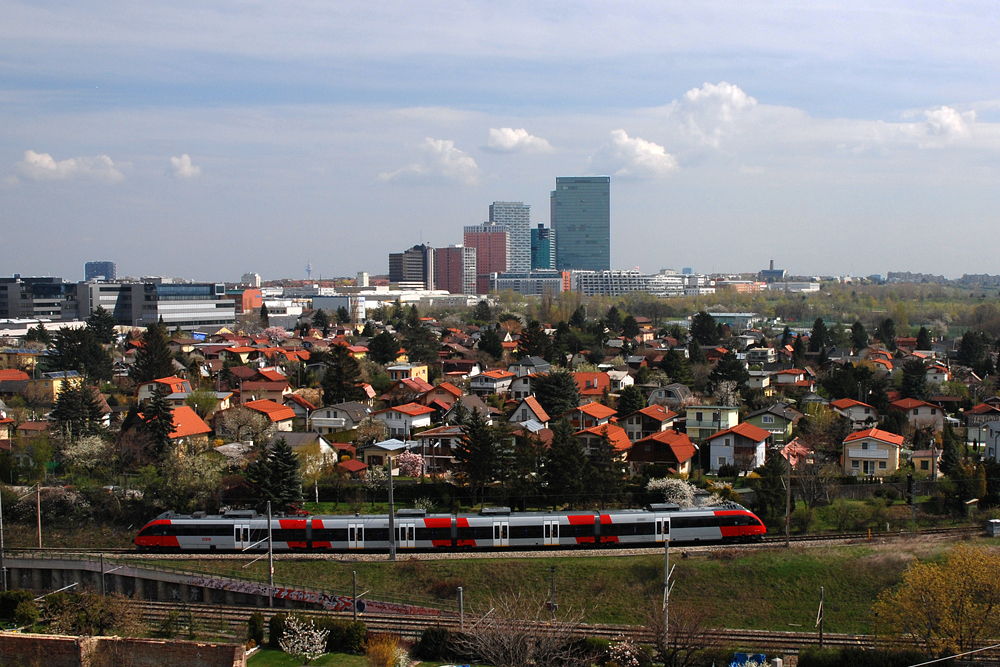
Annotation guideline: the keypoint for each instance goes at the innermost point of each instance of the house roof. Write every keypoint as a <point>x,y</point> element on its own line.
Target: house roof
<point>296,398</point>
<point>657,412</point>
<point>679,443</point>
<point>910,403</point>
<point>411,409</point>
<point>592,384</point>
<point>447,429</point>
<point>782,410</point>
<point>272,375</point>
<point>13,374</point>
<point>276,412</point>
<point>357,411</point>
<point>595,410</point>
<point>352,465</point>
<point>264,385</point>
<point>983,408</point>
<point>746,430</point>
<point>845,403</point>
<point>875,434</point>
<point>242,372</point>
<point>187,423</point>
<point>448,387</point>
<point>616,435</point>
<point>37,427</point>
<point>497,374</point>
<point>540,414</point>
<point>298,440</point>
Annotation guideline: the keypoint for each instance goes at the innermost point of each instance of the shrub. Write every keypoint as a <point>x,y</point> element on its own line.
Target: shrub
<point>446,589</point>
<point>382,650</point>
<point>434,644</point>
<point>168,626</point>
<point>802,519</point>
<point>10,601</point>
<point>276,630</point>
<point>853,657</point>
<point>728,470</point>
<point>26,613</point>
<point>255,628</point>
<point>344,636</point>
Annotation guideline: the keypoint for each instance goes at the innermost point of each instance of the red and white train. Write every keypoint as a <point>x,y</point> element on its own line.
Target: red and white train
<point>493,528</point>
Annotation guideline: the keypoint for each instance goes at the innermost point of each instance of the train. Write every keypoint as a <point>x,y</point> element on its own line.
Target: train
<point>416,530</point>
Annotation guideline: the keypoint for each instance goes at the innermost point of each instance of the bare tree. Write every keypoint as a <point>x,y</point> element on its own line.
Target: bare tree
<point>745,458</point>
<point>688,634</point>
<point>815,480</point>
<point>514,631</point>
<point>243,424</point>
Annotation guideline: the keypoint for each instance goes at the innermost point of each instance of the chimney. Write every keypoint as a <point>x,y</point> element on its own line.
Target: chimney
<point>772,265</point>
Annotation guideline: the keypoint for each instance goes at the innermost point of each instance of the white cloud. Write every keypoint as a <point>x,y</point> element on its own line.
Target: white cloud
<point>42,166</point>
<point>183,167</point>
<point>509,140</point>
<point>942,126</point>
<point>633,157</point>
<point>712,112</point>
<point>441,160</point>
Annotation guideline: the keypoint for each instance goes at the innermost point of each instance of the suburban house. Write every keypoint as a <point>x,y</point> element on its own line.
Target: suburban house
<point>407,372</point>
<point>920,414</point>
<point>377,453</point>
<point>469,404</point>
<point>190,432</point>
<point>256,390</point>
<point>743,446</point>
<point>928,461</point>
<point>529,409</point>
<point>669,447</point>
<point>673,395</point>
<point>530,365</point>
<point>491,382</point>
<point>937,374</point>
<point>860,414</point>
<point>308,444</point>
<point>443,395</point>
<point>407,390</point>
<point>302,408</point>
<point>589,415</point>
<point>282,416</point>
<point>403,419</point>
<point>976,421</point>
<point>521,386</point>
<point>872,453</point>
<point>795,453</point>
<point>177,390</point>
<point>620,380</point>
<point>437,447</point>
<point>644,423</point>
<point>592,386</point>
<point>778,420</point>
<point>704,420</point>
<point>591,437</point>
<point>340,417</point>
<point>48,387</point>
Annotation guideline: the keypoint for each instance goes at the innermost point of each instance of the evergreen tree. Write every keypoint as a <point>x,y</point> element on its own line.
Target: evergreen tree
<point>696,355</point>
<point>78,350</point>
<point>265,318</point>
<point>343,315</point>
<point>383,348</point>
<point>786,336</point>
<point>819,337</point>
<point>286,477</point>
<point>557,392</point>
<point>613,320</point>
<point>476,454</point>
<point>605,474</point>
<point>38,334</point>
<point>565,465</point>
<point>630,327</point>
<point>950,457</point>
<point>258,477</point>
<point>526,466</point>
<point>972,347</point>
<point>630,399</point>
<point>914,381</point>
<point>676,367</point>
<point>421,345</point>
<point>859,337</point>
<point>704,329</point>
<point>924,339</point>
<point>158,421</point>
<point>798,353</point>
<point>579,318</point>
<point>482,312</point>
<point>535,342</point>
<point>769,489</point>
<point>369,330</point>
<point>886,333</point>
<point>103,324</point>
<point>77,412</point>
<point>728,368</point>
<point>490,343</point>
<point>152,359</point>
<point>341,377</point>
<point>321,321</point>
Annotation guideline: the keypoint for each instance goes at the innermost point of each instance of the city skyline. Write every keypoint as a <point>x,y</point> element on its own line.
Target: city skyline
<point>173,139</point>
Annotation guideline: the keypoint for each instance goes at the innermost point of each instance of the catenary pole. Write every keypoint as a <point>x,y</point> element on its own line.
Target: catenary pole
<point>270,560</point>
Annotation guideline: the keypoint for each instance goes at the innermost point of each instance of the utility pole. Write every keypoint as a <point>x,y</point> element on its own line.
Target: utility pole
<point>392,523</point>
<point>354,594</point>
<point>104,586</point>
<point>552,593</point>
<point>270,560</point>
<point>667,571</point>
<point>461,610</point>
<point>3,566</point>
<point>788,498</point>
<point>38,508</point>
<point>819,617</point>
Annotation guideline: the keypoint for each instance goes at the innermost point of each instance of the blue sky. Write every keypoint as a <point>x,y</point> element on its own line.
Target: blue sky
<point>205,139</point>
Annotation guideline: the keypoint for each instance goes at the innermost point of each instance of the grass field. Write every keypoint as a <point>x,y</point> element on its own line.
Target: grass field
<point>274,658</point>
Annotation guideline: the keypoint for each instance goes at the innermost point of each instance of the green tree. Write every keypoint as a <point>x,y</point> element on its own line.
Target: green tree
<point>798,353</point>
<point>696,355</point>
<point>604,474</point>
<point>535,342</point>
<point>526,466</point>
<point>676,367</point>
<point>613,320</point>
<point>972,347</point>
<point>579,318</point>
<point>343,315</point>
<point>158,422</point>
<point>787,336</point>
<point>490,343</point>
<point>914,383</point>
<point>321,321</point>
<point>103,324</point>
<point>819,337</point>
<point>369,330</point>
<point>38,334</point>
<point>275,475</point>
<point>202,401</point>
<point>383,348</point>
<point>482,312</point>
<point>704,329</point>
<point>950,457</point>
<point>859,336</point>
<point>77,412</point>
<point>421,345</point>
<point>341,377</point>
<point>729,368</point>
<point>630,327</point>
<point>886,332</point>
<point>630,399</point>
<point>557,392</point>
<point>78,350</point>
<point>924,339</point>
<point>769,489</point>
<point>265,318</point>
<point>476,454</point>
<point>565,465</point>
<point>152,359</point>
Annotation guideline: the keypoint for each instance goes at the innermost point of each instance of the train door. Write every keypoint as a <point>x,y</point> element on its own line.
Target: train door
<point>406,534</point>
<point>662,531</point>
<point>355,536</point>
<point>241,535</point>
<point>501,533</point>
<point>550,533</point>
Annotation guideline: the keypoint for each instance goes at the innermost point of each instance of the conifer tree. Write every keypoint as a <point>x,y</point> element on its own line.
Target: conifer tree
<point>605,474</point>
<point>286,476</point>
<point>819,337</point>
<point>265,318</point>
<point>383,348</point>
<point>676,367</point>
<point>557,392</point>
<point>630,399</point>
<point>158,421</point>
<point>482,312</point>
<point>477,453</point>
<point>924,339</point>
<point>341,377</point>
<point>490,343</point>
<point>859,337</point>
<point>152,359</point>
<point>321,321</point>
<point>76,412</point>
<point>535,342</point>
<point>729,368</point>
<point>565,465</point>
<point>696,355</point>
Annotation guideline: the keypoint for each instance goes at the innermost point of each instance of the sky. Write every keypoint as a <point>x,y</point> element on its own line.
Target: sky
<point>205,139</point>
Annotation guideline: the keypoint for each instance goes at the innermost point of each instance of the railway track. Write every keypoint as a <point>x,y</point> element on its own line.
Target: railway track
<point>768,542</point>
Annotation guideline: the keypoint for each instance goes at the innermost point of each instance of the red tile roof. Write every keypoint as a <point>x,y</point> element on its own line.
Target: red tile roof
<point>272,375</point>
<point>301,401</point>
<point>498,374</point>
<point>595,410</point>
<point>592,384</point>
<point>537,408</point>
<point>352,465</point>
<point>188,423</point>
<point>876,434</point>
<point>746,430</point>
<point>657,412</point>
<point>845,403</point>
<point>274,411</point>
<point>411,409</point>
<point>616,435</point>
<point>680,444</point>
<point>13,374</point>
<point>910,403</point>
<point>450,388</point>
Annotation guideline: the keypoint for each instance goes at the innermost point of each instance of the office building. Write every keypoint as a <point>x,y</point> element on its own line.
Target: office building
<point>455,269</point>
<point>543,249</point>
<point>185,305</point>
<point>100,271</point>
<point>617,283</point>
<point>516,216</point>
<point>250,279</point>
<point>580,216</point>
<point>533,283</point>
<point>413,267</point>
<point>492,244</point>
<point>32,298</point>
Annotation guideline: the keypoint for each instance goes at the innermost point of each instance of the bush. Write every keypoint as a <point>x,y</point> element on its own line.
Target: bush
<point>276,630</point>
<point>854,657</point>
<point>802,519</point>
<point>26,613</point>
<point>344,636</point>
<point>169,625</point>
<point>11,600</point>
<point>382,650</point>
<point>727,470</point>
<point>434,644</point>
<point>255,628</point>
<point>446,589</point>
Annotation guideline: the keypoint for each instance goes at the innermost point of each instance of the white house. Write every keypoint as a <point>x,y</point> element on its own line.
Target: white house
<point>743,446</point>
<point>402,419</point>
<point>859,413</point>
<point>491,382</point>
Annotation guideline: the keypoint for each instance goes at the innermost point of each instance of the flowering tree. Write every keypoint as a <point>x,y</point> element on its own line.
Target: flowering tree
<point>275,334</point>
<point>624,652</point>
<point>302,640</point>
<point>410,464</point>
<point>673,490</point>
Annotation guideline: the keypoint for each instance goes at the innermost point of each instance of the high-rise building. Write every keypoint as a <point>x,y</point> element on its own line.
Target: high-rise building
<point>103,270</point>
<point>414,266</point>
<point>580,209</point>
<point>30,298</point>
<point>455,269</point>
<point>492,244</point>
<point>543,248</point>
<point>516,216</point>
<point>251,279</point>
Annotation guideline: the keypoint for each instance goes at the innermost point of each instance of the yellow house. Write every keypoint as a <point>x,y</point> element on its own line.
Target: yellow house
<point>407,372</point>
<point>871,453</point>
<point>48,387</point>
<point>928,461</point>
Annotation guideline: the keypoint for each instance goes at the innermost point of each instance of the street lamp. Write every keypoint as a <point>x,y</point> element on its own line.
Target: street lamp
<point>392,523</point>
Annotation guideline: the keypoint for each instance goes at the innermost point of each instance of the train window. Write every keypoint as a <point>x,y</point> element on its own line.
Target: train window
<point>586,530</point>
<point>527,532</point>
<point>350,534</point>
<point>548,529</point>
<point>433,534</point>
<point>289,535</point>
<point>503,531</point>
<point>330,535</point>
<point>374,534</point>
<point>555,530</point>
<point>475,533</point>
<point>409,533</point>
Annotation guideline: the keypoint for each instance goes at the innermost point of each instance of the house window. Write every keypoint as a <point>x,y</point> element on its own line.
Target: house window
<point>855,464</point>
<point>881,465</point>
<point>649,448</point>
<point>864,445</point>
<point>722,460</point>
<point>916,411</point>
<point>933,411</point>
<point>925,465</point>
<point>767,419</point>
<point>867,411</point>
<point>727,442</point>
<point>698,416</point>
